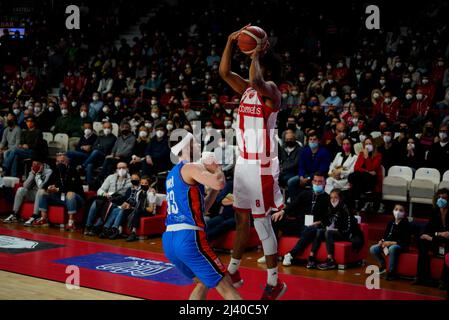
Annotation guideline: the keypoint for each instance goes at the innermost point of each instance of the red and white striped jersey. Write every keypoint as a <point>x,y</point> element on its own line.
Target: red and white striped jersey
<point>256,127</point>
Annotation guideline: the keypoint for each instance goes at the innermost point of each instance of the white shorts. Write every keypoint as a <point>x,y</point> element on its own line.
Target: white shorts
<point>256,187</point>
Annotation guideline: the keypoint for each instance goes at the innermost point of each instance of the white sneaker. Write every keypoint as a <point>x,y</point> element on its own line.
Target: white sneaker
<point>29,222</point>
<point>262,260</point>
<point>11,219</point>
<point>287,260</point>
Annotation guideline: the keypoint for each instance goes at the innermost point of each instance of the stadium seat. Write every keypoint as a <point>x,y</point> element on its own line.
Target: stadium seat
<point>376,134</point>
<point>153,225</point>
<point>226,241</point>
<point>48,136</point>
<point>115,129</point>
<point>445,181</point>
<point>396,183</point>
<point>344,255</point>
<point>98,126</point>
<point>408,262</point>
<point>73,141</point>
<point>63,140</point>
<point>423,186</point>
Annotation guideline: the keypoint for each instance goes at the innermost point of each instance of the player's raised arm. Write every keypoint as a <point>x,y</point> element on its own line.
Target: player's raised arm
<point>236,82</point>
<point>265,88</point>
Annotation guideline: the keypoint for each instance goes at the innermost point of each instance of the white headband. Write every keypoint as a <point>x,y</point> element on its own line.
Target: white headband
<point>176,149</point>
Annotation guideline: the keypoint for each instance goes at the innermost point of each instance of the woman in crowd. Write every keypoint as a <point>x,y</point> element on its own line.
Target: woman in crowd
<point>341,167</point>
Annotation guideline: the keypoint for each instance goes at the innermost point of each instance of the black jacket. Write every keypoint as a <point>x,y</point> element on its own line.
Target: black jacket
<point>436,224</point>
<point>289,161</point>
<point>400,233</point>
<point>67,181</point>
<point>308,202</point>
<point>341,219</point>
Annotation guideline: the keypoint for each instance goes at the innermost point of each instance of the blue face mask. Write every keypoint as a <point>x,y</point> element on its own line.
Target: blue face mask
<point>313,145</point>
<point>317,188</point>
<point>441,203</point>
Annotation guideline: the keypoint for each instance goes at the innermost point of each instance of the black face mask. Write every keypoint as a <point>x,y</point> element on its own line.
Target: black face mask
<point>291,126</point>
<point>126,132</point>
<point>62,168</point>
<point>10,123</point>
<point>135,182</point>
<point>145,187</point>
<point>290,144</point>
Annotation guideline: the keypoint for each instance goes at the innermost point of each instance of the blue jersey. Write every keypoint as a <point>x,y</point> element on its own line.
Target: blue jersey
<point>185,202</point>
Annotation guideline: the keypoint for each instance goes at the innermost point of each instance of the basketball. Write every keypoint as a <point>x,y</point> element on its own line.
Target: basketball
<point>250,38</point>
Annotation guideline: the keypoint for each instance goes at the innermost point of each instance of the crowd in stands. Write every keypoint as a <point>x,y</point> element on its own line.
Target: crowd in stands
<point>354,104</point>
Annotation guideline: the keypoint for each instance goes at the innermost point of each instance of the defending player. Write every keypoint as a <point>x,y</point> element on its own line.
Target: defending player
<point>184,241</point>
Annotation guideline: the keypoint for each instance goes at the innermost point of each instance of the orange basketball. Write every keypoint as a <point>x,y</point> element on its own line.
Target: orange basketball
<point>250,38</point>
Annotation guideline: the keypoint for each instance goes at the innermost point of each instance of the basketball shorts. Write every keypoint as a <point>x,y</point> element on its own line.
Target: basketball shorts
<point>190,252</point>
<point>256,187</point>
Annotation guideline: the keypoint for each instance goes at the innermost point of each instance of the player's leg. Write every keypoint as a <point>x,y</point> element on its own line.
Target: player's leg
<point>200,291</point>
<point>226,289</point>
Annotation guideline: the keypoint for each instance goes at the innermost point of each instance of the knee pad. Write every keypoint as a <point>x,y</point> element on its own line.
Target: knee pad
<point>266,235</point>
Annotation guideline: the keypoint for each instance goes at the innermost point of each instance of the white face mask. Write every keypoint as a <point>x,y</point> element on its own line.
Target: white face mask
<point>87,132</point>
<point>64,112</point>
<point>442,135</point>
<point>213,101</point>
<point>169,127</point>
<point>408,96</point>
<point>51,109</point>
<point>143,134</point>
<point>16,111</point>
<point>74,103</point>
<point>353,96</point>
<point>227,123</point>
<point>335,203</point>
<point>425,81</point>
<point>153,102</point>
<point>160,133</point>
<point>284,95</point>
<point>375,95</point>
<point>387,100</point>
<point>122,172</point>
<point>410,146</point>
<point>83,114</point>
<point>105,109</point>
<point>95,98</point>
<point>117,103</point>
<point>382,82</point>
<point>294,92</point>
<point>419,96</point>
<point>154,115</point>
<point>398,214</point>
<point>369,147</point>
<point>37,110</point>
<point>148,125</point>
<point>407,80</point>
<point>333,93</point>
<point>387,139</point>
<point>107,131</point>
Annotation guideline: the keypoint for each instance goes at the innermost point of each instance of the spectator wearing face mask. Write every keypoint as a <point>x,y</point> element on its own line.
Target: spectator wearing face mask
<point>341,167</point>
<point>31,141</point>
<point>389,149</point>
<point>105,85</point>
<point>333,100</point>
<point>288,157</point>
<point>291,220</point>
<point>84,147</point>
<point>427,136</point>
<point>411,154</point>
<point>138,152</point>
<point>112,190</point>
<point>157,154</point>
<point>103,146</point>
<point>435,239</point>
<point>387,109</point>
<point>95,106</point>
<point>167,96</point>
<point>427,87</point>
<point>420,108</point>
<point>37,179</point>
<point>367,175</point>
<point>121,151</point>
<point>66,123</point>
<point>396,240</point>
<point>340,225</point>
<point>11,136</point>
<point>313,158</point>
<point>438,156</point>
<point>107,113</point>
<point>292,125</point>
<point>190,114</point>
<point>50,114</point>
<point>225,156</point>
<point>84,115</point>
<point>64,188</point>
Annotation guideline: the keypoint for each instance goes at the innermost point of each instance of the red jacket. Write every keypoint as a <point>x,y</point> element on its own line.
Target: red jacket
<point>428,90</point>
<point>420,108</point>
<point>391,111</point>
<point>371,164</point>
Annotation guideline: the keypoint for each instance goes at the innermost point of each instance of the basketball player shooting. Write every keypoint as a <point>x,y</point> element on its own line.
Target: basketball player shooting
<point>184,241</point>
<point>256,189</point>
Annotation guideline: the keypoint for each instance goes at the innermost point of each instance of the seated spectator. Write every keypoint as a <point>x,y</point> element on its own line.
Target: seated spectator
<point>438,156</point>
<point>11,136</point>
<point>66,123</point>
<point>288,157</point>
<point>336,143</point>
<point>333,100</point>
<point>64,188</point>
<point>224,220</point>
<point>31,140</point>
<point>84,147</point>
<point>291,220</point>
<point>121,151</point>
<point>37,179</point>
<point>157,154</point>
<point>367,171</point>
<point>341,167</point>
<point>111,191</point>
<point>419,109</point>
<point>396,239</point>
<point>313,158</point>
<point>103,146</point>
<point>292,125</point>
<point>226,157</point>
<point>389,150</point>
<point>411,154</point>
<point>138,152</point>
<point>340,225</point>
<point>435,238</point>
<point>112,228</point>
<point>145,206</point>
<point>95,106</point>
<point>427,136</point>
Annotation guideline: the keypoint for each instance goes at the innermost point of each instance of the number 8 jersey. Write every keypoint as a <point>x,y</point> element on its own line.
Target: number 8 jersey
<point>185,202</point>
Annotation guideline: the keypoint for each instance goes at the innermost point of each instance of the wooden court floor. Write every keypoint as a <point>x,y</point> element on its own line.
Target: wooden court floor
<point>24,287</point>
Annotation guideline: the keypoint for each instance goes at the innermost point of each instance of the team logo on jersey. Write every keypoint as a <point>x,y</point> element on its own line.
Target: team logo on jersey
<point>14,245</point>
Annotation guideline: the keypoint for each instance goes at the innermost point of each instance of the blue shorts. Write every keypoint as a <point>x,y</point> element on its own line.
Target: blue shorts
<point>189,251</point>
